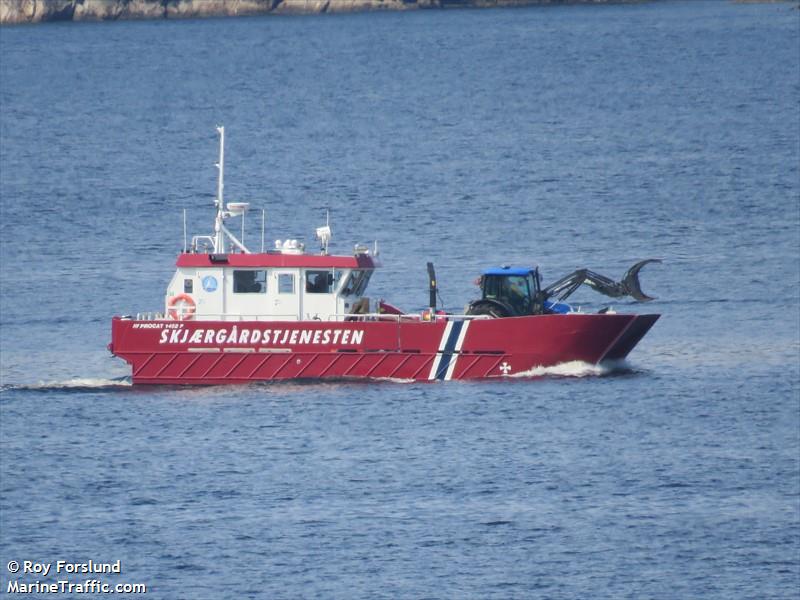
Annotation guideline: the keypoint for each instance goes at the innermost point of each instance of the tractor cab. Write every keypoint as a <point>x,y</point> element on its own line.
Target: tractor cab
<point>508,292</point>
<point>517,291</point>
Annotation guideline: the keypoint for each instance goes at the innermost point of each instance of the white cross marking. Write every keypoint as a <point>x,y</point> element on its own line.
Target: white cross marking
<point>505,368</point>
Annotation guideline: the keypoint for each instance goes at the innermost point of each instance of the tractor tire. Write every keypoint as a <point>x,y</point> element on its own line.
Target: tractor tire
<point>489,308</point>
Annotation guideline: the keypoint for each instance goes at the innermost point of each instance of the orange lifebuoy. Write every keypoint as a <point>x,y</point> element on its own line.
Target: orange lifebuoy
<point>187,312</point>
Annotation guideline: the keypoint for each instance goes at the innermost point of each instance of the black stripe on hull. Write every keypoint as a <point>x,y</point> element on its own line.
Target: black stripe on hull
<point>449,347</point>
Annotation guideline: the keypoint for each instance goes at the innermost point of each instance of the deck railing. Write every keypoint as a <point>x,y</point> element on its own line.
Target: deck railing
<point>339,317</point>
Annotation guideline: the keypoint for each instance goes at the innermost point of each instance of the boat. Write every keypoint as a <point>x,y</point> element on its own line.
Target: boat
<point>235,316</point>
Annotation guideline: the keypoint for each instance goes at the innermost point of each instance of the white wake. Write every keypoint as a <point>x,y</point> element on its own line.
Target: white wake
<point>77,383</point>
<point>576,368</point>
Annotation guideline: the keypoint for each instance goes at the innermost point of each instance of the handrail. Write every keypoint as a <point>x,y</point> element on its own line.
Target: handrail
<point>407,316</point>
<point>157,316</point>
<point>336,317</point>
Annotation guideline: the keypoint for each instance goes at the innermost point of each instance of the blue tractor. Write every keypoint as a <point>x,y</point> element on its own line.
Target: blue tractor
<point>517,291</point>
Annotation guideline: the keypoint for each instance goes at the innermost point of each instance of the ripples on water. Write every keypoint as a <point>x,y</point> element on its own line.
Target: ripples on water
<point>563,136</point>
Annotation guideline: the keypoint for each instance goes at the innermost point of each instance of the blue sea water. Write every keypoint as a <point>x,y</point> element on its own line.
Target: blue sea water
<point>575,136</point>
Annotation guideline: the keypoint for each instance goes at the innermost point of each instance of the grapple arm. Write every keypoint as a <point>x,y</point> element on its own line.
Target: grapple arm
<point>629,286</point>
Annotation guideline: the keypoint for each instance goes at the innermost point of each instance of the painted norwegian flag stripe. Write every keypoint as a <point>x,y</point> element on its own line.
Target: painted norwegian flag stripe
<point>444,363</point>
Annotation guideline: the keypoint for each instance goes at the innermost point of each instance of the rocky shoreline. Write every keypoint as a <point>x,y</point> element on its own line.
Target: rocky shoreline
<point>36,11</point>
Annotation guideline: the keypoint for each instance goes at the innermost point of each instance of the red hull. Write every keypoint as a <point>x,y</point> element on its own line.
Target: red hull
<point>217,352</point>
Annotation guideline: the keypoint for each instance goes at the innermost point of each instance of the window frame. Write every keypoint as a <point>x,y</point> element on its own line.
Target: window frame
<point>281,278</point>
<point>329,280</point>
<point>262,282</point>
<point>356,282</point>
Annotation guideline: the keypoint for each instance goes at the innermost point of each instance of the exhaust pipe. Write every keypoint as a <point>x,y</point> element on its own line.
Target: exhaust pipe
<point>432,289</point>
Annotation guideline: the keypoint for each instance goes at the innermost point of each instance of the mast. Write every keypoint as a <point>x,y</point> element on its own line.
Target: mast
<point>219,235</point>
<point>234,209</point>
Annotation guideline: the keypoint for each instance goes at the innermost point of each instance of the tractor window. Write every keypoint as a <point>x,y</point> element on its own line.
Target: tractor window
<point>518,293</point>
<point>514,290</point>
<point>533,283</point>
<point>492,287</point>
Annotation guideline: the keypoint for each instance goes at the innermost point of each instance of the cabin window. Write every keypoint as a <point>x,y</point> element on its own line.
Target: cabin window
<point>187,286</point>
<point>362,285</point>
<point>319,282</point>
<point>249,282</point>
<point>356,283</point>
<point>286,283</point>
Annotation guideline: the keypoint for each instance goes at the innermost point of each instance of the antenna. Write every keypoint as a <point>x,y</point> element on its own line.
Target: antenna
<point>184,231</point>
<point>263,218</point>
